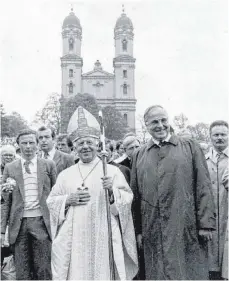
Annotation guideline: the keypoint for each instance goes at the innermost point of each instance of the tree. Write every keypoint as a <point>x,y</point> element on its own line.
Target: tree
<point>142,132</point>
<point>4,122</point>
<point>12,124</point>
<point>200,132</point>
<point>69,106</point>
<point>180,121</point>
<point>50,115</point>
<point>87,101</point>
<point>115,126</point>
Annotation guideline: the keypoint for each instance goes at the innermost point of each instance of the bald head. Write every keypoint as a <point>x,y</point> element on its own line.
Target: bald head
<point>8,149</point>
<point>8,153</point>
<point>152,108</point>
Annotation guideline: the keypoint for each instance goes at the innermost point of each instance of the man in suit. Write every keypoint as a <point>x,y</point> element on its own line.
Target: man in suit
<point>125,170</point>
<point>46,137</point>
<point>64,143</point>
<point>130,144</point>
<point>8,153</point>
<point>26,211</point>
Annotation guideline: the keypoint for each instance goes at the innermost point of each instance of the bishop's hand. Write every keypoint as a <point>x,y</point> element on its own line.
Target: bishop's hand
<point>107,184</point>
<point>78,198</point>
<point>205,234</point>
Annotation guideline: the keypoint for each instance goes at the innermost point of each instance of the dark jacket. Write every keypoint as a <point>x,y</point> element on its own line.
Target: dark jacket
<point>13,207</point>
<point>126,162</point>
<point>123,169</point>
<point>62,160</point>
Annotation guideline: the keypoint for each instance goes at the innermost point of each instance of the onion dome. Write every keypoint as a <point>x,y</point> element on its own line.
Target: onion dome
<point>71,20</point>
<point>124,21</point>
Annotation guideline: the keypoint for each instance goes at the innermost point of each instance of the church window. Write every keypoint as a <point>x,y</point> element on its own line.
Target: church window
<point>70,88</point>
<point>71,44</point>
<point>125,119</point>
<point>124,73</point>
<point>70,73</point>
<point>124,45</point>
<point>124,89</point>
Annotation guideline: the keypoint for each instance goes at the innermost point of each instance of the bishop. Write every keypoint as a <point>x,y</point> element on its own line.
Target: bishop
<point>78,213</point>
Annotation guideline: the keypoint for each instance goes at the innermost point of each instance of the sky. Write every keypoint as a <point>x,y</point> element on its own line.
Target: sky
<point>180,46</point>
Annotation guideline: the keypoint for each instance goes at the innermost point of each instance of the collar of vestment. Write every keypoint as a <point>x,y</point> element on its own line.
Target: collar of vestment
<point>120,159</point>
<point>32,161</point>
<point>93,162</point>
<point>170,139</point>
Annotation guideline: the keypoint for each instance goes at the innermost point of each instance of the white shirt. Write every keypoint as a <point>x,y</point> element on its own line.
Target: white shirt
<point>31,198</point>
<point>32,165</point>
<point>165,140</point>
<point>51,153</point>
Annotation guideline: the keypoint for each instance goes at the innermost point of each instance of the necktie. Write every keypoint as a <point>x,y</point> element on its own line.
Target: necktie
<point>27,169</point>
<point>218,156</point>
<point>46,155</point>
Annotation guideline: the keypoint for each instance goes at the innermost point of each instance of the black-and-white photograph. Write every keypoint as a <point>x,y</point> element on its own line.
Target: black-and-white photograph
<point>114,139</point>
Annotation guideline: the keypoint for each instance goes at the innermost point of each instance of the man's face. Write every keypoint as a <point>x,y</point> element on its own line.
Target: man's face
<point>157,123</point>
<point>121,150</point>
<point>219,137</point>
<point>86,149</point>
<point>28,146</point>
<point>132,147</point>
<point>109,153</point>
<point>7,156</point>
<point>63,146</point>
<point>45,140</point>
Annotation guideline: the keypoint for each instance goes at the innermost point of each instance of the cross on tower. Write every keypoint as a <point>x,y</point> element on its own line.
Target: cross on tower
<point>72,5</point>
<point>123,8</point>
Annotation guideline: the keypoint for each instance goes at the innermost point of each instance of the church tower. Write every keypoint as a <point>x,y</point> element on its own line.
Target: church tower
<point>71,61</point>
<point>124,67</point>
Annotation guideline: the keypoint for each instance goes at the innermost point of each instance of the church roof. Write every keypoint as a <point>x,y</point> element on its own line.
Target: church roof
<point>98,71</point>
<point>71,19</point>
<point>124,21</point>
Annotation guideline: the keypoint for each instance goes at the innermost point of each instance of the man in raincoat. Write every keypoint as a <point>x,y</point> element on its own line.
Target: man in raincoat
<point>217,160</point>
<point>174,212</point>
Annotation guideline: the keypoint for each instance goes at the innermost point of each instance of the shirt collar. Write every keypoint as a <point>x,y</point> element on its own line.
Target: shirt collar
<point>212,154</point>
<point>165,140</point>
<point>50,153</point>
<point>33,161</point>
<point>170,138</point>
<point>225,152</point>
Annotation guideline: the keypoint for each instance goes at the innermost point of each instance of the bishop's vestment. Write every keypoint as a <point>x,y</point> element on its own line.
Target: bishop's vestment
<point>80,236</point>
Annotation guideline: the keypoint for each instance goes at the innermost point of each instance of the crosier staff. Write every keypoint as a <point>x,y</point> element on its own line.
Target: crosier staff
<point>104,161</point>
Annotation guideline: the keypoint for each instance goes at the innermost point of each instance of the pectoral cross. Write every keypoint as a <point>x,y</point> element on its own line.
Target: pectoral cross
<point>83,187</point>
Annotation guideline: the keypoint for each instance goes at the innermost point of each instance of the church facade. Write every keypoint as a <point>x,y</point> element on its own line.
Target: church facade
<point>110,89</point>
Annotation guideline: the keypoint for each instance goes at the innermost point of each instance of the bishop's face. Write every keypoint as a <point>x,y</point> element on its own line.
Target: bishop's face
<point>86,148</point>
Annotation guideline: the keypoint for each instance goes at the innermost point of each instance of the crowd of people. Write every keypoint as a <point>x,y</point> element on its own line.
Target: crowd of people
<point>168,203</point>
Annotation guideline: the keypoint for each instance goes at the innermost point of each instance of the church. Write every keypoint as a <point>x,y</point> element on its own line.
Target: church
<point>115,89</point>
